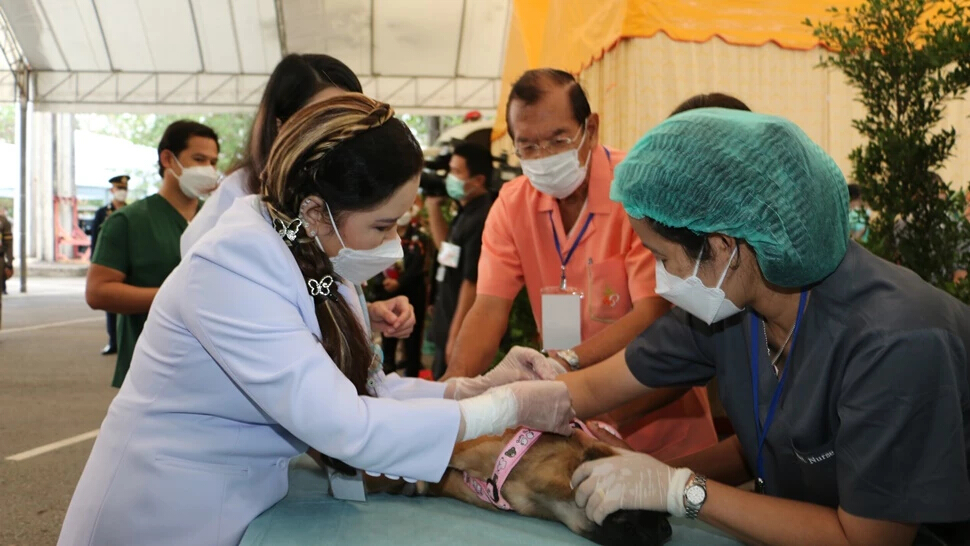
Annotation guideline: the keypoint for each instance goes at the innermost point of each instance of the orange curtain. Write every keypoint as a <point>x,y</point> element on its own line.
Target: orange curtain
<point>638,83</point>
<point>572,34</point>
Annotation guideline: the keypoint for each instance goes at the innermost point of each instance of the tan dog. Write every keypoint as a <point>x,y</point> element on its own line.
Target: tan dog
<point>539,486</point>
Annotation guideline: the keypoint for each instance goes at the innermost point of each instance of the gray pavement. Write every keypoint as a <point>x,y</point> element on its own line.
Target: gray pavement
<point>54,385</point>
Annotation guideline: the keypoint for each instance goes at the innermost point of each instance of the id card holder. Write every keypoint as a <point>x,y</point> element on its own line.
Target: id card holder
<point>561,317</point>
<point>449,254</point>
<point>346,487</point>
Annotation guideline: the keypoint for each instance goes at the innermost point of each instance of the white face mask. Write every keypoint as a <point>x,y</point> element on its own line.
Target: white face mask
<point>121,196</point>
<point>708,304</point>
<point>197,181</point>
<point>358,266</point>
<point>558,175</point>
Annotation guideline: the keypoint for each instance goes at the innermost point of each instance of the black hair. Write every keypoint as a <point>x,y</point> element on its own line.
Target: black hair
<point>711,100</point>
<point>176,138</point>
<point>696,244</point>
<point>531,86</point>
<point>294,81</point>
<point>854,192</point>
<point>477,159</point>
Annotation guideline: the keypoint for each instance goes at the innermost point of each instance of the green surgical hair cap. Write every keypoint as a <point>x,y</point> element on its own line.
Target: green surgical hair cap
<point>745,175</point>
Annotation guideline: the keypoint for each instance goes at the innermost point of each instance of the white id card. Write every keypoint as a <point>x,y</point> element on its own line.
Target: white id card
<point>440,274</point>
<point>449,254</point>
<point>561,318</point>
<point>345,487</point>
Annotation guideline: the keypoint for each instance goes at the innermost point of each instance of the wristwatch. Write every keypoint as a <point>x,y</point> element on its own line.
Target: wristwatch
<point>694,495</point>
<point>570,357</point>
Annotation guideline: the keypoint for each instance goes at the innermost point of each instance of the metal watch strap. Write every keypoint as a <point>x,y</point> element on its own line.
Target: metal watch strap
<point>571,358</point>
<point>691,508</point>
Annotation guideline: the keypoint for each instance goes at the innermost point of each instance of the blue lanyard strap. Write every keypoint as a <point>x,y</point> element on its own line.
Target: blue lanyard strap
<point>569,255</point>
<point>762,430</point>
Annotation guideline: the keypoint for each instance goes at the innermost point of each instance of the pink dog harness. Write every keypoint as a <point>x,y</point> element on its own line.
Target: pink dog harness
<point>490,490</point>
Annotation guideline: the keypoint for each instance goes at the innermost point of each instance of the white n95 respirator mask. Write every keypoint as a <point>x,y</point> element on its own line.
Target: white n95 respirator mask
<point>709,304</point>
<point>197,181</point>
<point>358,266</point>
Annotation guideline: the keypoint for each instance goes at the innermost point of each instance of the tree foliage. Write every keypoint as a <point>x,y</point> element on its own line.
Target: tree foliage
<point>147,130</point>
<point>8,123</point>
<point>907,59</point>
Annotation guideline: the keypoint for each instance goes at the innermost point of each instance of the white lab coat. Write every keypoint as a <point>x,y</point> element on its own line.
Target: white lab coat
<point>230,188</point>
<point>227,383</point>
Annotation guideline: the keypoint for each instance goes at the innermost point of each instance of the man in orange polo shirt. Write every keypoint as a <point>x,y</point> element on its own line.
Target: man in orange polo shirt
<point>590,280</point>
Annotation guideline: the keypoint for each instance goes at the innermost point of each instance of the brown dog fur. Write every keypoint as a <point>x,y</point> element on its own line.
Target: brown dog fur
<point>538,486</point>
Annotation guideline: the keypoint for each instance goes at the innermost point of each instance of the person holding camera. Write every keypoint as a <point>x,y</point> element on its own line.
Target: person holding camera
<point>459,245</point>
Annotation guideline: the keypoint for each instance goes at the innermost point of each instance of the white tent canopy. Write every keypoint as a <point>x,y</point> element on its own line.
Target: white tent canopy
<point>421,56</point>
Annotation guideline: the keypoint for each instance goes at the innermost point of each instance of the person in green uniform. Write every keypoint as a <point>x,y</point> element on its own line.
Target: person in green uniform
<point>139,245</point>
<point>119,198</point>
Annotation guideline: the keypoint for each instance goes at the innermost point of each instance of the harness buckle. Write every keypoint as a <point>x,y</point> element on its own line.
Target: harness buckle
<point>493,486</point>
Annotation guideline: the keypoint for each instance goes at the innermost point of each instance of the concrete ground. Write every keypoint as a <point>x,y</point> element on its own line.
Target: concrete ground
<point>54,385</point>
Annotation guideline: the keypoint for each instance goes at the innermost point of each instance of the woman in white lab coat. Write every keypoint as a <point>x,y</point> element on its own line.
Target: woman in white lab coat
<point>256,348</point>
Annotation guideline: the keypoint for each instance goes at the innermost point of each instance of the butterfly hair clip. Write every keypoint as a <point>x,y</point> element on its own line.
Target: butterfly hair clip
<point>323,287</point>
<point>288,231</point>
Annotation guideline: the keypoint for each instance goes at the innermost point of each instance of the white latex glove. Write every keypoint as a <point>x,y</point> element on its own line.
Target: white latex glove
<point>520,364</point>
<point>631,481</point>
<point>541,405</point>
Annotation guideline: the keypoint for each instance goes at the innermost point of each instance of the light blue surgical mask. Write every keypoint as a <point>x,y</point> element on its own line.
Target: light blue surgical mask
<point>455,187</point>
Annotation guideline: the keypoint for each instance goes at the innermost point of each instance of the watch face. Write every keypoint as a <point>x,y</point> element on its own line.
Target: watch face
<point>696,494</point>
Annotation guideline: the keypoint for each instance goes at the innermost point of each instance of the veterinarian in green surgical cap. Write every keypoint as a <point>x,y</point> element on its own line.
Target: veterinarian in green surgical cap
<point>844,376</point>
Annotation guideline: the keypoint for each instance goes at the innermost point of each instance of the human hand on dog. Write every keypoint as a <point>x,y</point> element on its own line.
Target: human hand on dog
<point>631,481</point>
<point>520,364</point>
<point>540,405</point>
<point>543,405</point>
<point>393,317</point>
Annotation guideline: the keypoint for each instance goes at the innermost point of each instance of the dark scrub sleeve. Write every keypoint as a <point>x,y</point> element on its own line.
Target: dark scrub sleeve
<point>900,452</point>
<point>674,350</point>
<point>113,248</point>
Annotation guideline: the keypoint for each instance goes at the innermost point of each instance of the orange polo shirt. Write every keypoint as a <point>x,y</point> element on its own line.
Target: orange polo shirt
<point>610,265</point>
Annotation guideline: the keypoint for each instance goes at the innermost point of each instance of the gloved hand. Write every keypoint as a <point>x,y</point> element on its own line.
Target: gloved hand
<point>542,405</point>
<point>520,364</point>
<point>631,481</point>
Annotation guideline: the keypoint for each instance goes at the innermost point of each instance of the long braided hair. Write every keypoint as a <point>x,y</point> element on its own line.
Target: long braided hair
<point>353,154</point>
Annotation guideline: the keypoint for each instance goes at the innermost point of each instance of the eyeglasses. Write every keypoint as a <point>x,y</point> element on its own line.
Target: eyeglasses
<point>549,147</point>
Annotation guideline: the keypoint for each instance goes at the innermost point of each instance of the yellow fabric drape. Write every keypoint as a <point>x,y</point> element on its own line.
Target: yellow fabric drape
<point>637,84</point>
<point>572,34</point>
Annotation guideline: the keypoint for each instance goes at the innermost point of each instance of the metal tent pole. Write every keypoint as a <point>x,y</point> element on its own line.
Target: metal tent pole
<point>23,96</point>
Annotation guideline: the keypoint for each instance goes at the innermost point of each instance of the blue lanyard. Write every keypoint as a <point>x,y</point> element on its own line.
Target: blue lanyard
<point>569,255</point>
<point>555,236</point>
<point>762,430</point>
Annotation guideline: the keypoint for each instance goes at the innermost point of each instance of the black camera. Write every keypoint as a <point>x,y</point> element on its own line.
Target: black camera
<point>432,184</point>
